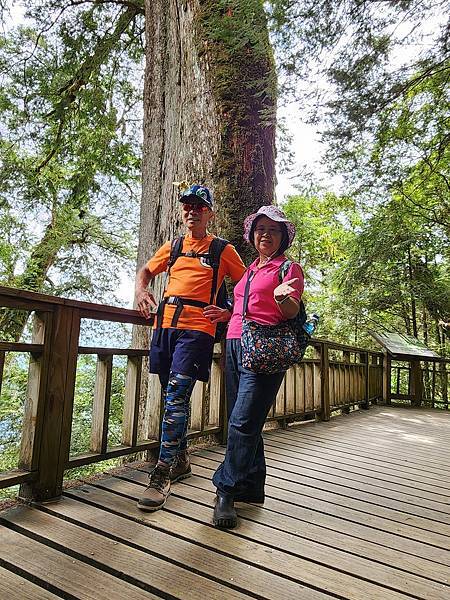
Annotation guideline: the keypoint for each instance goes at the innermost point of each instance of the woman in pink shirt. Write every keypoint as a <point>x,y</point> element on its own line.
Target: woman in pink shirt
<point>241,476</point>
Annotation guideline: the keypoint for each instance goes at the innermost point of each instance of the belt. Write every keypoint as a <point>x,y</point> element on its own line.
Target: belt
<point>180,303</point>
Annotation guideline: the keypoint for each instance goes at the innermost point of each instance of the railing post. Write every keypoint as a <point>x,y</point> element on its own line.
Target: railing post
<point>416,380</point>
<point>364,358</point>
<point>132,398</point>
<point>102,397</point>
<point>35,399</point>
<point>51,448</point>
<point>386,378</point>
<point>374,362</point>
<point>324,382</point>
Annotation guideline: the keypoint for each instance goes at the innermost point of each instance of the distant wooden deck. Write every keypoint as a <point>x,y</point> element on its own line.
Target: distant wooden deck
<point>356,508</point>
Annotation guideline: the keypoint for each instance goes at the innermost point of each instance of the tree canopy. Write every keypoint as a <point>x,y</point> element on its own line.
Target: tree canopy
<point>373,78</point>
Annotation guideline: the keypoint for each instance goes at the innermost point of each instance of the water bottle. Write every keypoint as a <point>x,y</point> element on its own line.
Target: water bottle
<point>310,324</point>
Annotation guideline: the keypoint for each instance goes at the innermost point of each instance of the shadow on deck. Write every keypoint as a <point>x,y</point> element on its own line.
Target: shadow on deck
<point>356,508</point>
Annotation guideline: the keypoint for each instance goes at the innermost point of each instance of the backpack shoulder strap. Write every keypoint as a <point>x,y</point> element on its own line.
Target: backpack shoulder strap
<point>284,268</point>
<point>175,251</point>
<point>215,250</point>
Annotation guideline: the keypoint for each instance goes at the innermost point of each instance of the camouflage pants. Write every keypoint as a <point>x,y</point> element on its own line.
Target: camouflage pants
<point>176,416</point>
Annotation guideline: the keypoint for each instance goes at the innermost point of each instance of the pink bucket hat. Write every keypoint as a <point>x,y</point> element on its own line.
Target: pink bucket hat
<point>274,213</point>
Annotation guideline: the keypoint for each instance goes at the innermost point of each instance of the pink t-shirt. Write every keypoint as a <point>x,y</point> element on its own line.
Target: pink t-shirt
<point>262,307</point>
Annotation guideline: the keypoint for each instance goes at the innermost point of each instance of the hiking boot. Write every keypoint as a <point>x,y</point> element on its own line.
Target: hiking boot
<point>157,491</point>
<point>225,515</point>
<point>180,468</point>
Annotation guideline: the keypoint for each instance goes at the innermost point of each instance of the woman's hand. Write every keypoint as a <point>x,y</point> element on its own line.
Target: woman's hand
<point>216,314</point>
<point>284,289</point>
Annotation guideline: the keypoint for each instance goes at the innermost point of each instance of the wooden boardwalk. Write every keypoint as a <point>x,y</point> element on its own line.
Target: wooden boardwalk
<point>356,508</point>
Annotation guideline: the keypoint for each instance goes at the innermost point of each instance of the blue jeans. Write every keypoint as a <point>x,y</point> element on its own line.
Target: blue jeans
<point>249,399</point>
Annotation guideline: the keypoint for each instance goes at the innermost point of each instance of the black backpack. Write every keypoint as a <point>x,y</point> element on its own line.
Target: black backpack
<point>219,297</point>
<point>299,320</point>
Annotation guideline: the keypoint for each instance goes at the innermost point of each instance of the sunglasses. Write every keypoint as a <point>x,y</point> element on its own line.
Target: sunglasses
<point>194,207</point>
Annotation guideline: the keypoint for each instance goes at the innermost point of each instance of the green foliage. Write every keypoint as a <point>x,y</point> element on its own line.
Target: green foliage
<point>14,387</point>
<point>12,408</point>
<point>384,270</point>
<point>70,98</point>
<point>374,77</point>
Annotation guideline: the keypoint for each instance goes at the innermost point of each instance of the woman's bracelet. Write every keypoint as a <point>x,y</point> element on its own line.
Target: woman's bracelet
<point>281,301</point>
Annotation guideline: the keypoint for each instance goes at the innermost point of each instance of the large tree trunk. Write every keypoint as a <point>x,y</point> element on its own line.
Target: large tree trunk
<point>209,116</point>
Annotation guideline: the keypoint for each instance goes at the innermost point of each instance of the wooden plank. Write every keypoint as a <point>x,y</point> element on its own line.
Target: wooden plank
<point>132,400</point>
<point>386,444</point>
<point>290,390</point>
<point>422,530</point>
<point>59,392</point>
<point>362,541</point>
<point>309,389</point>
<point>89,458</point>
<point>325,384</point>
<point>15,587</point>
<point>65,574</point>
<point>100,408</point>
<point>155,407</point>
<point>33,416</point>
<point>397,511</point>
<point>319,525</point>
<point>336,568</point>
<point>182,549</point>
<point>366,459</point>
<point>15,476</point>
<point>376,504</point>
<point>20,347</point>
<point>216,389</point>
<point>113,351</point>
<point>300,389</point>
<point>114,314</point>
<point>333,385</point>
<point>280,400</point>
<point>317,388</point>
<point>382,448</point>
<point>316,487</point>
<point>148,570</point>
<point>352,472</point>
<point>197,402</point>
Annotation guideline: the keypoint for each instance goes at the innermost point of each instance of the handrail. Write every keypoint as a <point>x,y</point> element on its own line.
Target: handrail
<point>315,388</point>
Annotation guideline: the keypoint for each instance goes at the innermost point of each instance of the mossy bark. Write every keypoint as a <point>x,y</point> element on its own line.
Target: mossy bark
<point>209,113</point>
<point>209,117</point>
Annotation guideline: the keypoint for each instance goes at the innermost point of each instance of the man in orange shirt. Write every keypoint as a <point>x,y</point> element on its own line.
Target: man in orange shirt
<point>183,340</point>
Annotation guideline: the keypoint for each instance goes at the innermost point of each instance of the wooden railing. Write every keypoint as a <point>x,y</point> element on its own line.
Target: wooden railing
<point>421,383</point>
<point>335,377</point>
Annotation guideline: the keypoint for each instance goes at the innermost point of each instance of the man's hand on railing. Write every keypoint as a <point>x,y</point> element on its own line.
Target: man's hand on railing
<point>145,302</point>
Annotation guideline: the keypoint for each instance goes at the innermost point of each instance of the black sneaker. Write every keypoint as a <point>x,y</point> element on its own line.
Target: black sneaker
<point>225,516</point>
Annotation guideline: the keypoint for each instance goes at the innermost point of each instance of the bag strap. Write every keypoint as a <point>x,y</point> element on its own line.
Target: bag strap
<point>216,247</point>
<point>284,268</point>
<point>250,276</point>
<point>176,250</point>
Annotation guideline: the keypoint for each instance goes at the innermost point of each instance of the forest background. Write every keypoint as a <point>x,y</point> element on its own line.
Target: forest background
<point>370,79</point>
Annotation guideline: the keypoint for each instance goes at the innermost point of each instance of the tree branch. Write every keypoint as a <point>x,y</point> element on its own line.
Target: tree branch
<point>69,92</point>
